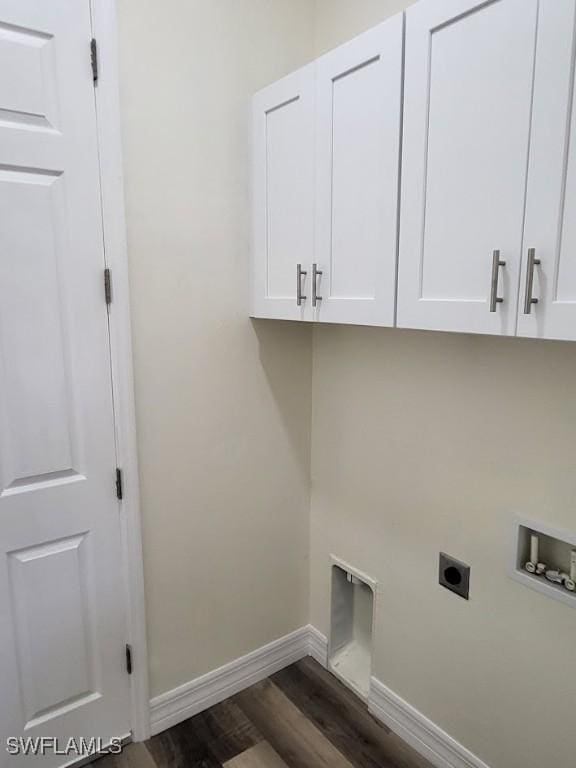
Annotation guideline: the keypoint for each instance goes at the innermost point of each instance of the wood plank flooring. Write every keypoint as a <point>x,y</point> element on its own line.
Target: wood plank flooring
<point>301,717</point>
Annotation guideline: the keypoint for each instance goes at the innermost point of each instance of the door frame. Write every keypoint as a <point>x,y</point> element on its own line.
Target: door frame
<point>107,97</point>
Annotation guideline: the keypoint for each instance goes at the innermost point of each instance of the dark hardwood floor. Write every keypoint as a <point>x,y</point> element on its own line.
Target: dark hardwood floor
<point>301,717</point>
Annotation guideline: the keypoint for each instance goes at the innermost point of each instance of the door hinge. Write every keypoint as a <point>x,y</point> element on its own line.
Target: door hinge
<point>128,659</point>
<point>94,60</point>
<point>108,286</point>
<point>119,484</point>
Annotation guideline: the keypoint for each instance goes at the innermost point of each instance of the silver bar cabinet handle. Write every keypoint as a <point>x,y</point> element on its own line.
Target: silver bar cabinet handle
<point>496,264</point>
<point>300,273</point>
<point>315,274</point>
<point>532,262</point>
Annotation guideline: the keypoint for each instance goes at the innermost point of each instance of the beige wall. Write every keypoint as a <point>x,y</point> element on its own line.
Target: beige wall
<point>423,442</point>
<point>336,21</point>
<point>223,404</point>
<point>430,442</point>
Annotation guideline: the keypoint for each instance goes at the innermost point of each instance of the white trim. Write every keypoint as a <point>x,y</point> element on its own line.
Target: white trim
<point>104,29</point>
<point>189,699</point>
<point>413,727</point>
<point>344,566</point>
<point>318,646</point>
<point>416,730</point>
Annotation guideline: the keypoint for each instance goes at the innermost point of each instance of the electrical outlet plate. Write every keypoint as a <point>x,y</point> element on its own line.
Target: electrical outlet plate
<point>454,575</point>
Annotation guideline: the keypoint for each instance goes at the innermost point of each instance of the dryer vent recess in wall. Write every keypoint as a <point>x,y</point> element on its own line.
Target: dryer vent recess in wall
<point>454,575</point>
<point>351,626</point>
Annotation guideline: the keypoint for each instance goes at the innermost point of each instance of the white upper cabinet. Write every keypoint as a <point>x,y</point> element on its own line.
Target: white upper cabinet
<point>358,120</point>
<point>283,196</point>
<point>550,234</point>
<point>487,236</point>
<point>468,95</point>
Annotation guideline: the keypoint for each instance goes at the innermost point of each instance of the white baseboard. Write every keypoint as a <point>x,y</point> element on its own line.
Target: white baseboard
<point>415,729</point>
<point>189,699</point>
<point>317,646</point>
<point>422,734</point>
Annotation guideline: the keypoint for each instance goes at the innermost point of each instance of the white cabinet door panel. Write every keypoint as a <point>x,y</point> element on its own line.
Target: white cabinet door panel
<point>551,201</point>
<point>283,195</point>
<point>468,91</point>
<point>358,103</point>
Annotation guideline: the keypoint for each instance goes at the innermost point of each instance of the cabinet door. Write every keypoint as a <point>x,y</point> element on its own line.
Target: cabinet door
<point>358,98</point>
<point>283,195</point>
<point>550,232</point>
<point>468,92</point>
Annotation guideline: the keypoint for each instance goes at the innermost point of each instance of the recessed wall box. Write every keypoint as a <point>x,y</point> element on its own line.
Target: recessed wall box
<point>351,624</point>
<point>543,558</point>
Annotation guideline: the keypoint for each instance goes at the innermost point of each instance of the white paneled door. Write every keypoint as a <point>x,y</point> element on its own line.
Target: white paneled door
<point>548,285</point>
<point>468,96</point>
<point>62,625</point>
<point>358,106</point>
<point>283,197</point>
